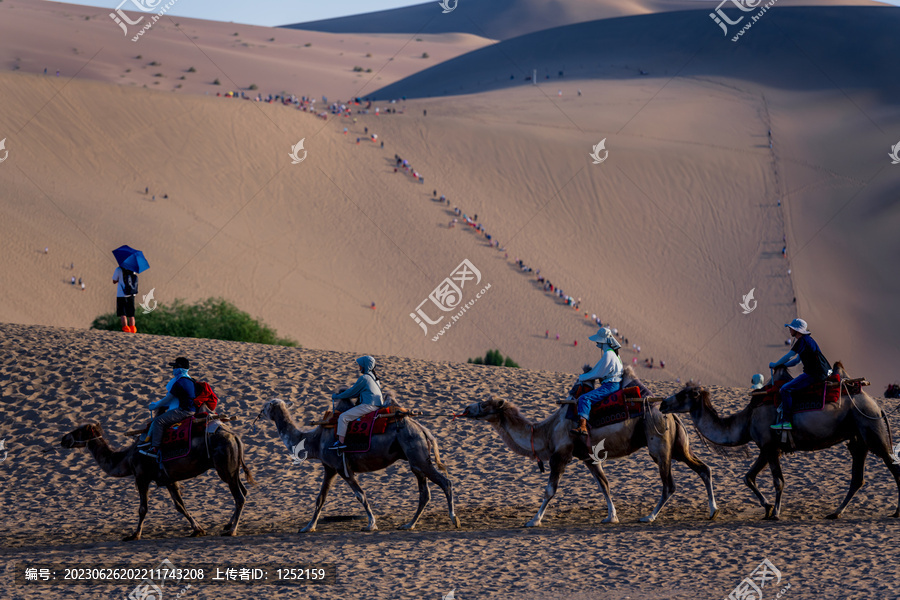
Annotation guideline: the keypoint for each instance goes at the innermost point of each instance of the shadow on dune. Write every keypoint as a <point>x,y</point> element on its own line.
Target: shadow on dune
<point>798,48</point>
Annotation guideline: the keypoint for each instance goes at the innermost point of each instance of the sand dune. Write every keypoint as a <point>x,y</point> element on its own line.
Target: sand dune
<point>58,505</point>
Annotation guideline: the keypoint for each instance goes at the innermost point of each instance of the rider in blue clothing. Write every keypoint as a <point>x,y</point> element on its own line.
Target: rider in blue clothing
<point>815,368</point>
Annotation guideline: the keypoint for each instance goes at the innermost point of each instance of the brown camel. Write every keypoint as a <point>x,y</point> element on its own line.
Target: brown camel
<point>855,419</point>
<point>664,436</point>
<point>225,455</point>
<point>404,440</point>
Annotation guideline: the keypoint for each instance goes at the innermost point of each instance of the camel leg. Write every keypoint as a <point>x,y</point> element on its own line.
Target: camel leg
<point>432,473</point>
<point>661,455</point>
<point>557,467</point>
<point>600,478</point>
<point>175,492</point>
<point>143,486</point>
<point>778,480</point>
<point>682,452</point>
<point>361,496</point>
<point>424,497</point>
<point>330,474</point>
<point>879,444</point>
<point>750,480</point>
<point>859,452</point>
<point>238,492</point>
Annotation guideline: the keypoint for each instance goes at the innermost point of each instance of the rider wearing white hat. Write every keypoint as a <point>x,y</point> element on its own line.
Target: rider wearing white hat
<point>815,367</point>
<point>608,370</point>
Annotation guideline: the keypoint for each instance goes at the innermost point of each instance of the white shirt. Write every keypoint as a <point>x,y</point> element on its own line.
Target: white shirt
<point>608,368</point>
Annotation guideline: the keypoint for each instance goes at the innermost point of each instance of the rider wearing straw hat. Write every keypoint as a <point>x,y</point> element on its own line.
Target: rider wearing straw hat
<point>608,370</point>
<point>815,368</point>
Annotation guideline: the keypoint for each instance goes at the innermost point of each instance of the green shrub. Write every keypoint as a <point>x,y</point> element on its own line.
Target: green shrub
<point>213,318</point>
<point>253,86</point>
<point>192,70</point>
<point>494,359</point>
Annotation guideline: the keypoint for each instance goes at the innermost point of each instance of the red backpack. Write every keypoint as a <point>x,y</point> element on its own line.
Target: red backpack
<point>204,394</point>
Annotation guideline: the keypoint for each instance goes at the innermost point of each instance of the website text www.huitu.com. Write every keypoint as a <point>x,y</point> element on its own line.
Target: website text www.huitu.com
<point>462,311</point>
<point>754,19</point>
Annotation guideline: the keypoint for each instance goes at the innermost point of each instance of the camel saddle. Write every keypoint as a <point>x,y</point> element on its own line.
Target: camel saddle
<point>361,430</point>
<point>815,397</point>
<point>615,408</point>
<point>177,438</point>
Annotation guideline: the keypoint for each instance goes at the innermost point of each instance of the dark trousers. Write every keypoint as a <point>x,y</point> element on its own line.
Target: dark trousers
<point>160,423</point>
<point>794,385</point>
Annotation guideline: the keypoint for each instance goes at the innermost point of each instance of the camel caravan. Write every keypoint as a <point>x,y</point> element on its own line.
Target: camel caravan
<point>608,410</point>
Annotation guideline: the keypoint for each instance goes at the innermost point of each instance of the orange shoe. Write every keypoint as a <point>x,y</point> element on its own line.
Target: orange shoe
<point>133,329</point>
<point>126,328</point>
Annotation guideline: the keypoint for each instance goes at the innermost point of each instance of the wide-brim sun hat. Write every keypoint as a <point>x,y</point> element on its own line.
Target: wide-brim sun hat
<point>798,325</point>
<point>605,336</point>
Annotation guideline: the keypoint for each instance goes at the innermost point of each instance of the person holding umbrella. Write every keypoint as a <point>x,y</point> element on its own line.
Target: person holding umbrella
<point>131,262</point>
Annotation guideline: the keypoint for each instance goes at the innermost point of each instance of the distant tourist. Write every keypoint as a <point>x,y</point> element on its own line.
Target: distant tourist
<point>126,287</point>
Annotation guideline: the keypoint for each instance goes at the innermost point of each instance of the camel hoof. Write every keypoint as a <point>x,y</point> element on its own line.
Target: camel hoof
<point>714,514</point>
<point>896,514</point>
<point>131,538</point>
<point>533,523</point>
<point>770,509</point>
<point>228,533</point>
<point>772,517</point>
<point>648,519</point>
<point>407,527</point>
<point>833,516</point>
<point>198,533</point>
<point>610,520</point>
<point>457,524</point>
<point>372,527</point>
<point>306,529</point>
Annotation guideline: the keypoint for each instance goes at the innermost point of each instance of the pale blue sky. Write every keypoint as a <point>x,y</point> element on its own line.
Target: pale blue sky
<point>277,12</point>
<point>267,12</point>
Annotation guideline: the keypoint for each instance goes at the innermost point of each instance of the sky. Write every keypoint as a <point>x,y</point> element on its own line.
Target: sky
<point>270,13</point>
<point>264,12</point>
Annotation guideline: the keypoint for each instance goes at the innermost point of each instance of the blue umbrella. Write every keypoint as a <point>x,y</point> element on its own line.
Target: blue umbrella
<point>131,259</point>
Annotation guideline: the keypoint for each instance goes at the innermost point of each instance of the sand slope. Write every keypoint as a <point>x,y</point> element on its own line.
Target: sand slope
<point>59,506</point>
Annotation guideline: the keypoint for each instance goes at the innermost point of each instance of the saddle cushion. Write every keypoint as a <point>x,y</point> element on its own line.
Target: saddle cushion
<point>177,439</point>
<point>361,430</point>
<point>617,407</point>
<point>812,398</point>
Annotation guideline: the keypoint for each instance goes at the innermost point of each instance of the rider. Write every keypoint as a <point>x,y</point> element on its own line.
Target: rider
<point>608,370</point>
<point>815,368</point>
<point>181,389</point>
<point>370,398</point>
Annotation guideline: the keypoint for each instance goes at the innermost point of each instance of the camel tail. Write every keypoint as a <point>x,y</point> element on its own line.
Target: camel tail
<point>433,445</point>
<point>247,473</point>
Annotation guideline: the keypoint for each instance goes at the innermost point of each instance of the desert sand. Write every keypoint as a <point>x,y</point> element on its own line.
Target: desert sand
<point>727,167</point>
<point>58,506</point>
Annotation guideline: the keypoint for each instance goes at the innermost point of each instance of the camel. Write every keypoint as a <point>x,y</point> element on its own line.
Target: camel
<point>856,419</point>
<point>406,440</point>
<point>664,436</point>
<point>225,455</point>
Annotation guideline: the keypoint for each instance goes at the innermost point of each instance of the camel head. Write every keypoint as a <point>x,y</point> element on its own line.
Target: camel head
<point>268,409</point>
<point>486,410</point>
<point>683,400</point>
<point>838,368</point>
<point>80,436</point>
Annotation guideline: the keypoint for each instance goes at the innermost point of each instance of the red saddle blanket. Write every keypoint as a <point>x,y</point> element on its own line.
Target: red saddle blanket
<point>617,407</point>
<point>176,441</point>
<point>812,398</point>
<point>361,430</point>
